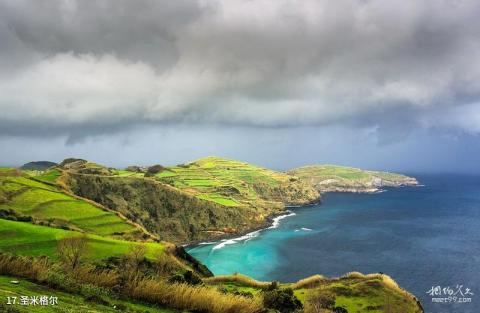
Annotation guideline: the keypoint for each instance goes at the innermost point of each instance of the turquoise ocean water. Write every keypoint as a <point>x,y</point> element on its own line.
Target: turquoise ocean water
<point>421,236</point>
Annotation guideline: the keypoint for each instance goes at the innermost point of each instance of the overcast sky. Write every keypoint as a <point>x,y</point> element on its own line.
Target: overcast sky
<point>389,85</point>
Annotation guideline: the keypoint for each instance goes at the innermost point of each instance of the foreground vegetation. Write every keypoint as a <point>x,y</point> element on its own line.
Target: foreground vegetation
<point>132,278</point>
<point>68,302</point>
<point>139,282</point>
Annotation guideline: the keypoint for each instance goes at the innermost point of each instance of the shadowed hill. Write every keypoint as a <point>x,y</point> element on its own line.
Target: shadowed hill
<point>38,165</point>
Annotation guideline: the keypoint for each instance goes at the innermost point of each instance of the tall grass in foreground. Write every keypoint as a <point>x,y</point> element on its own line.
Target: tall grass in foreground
<point>197,298</point>
<point>309,282</point>
<point>237,278</point>
<point>155,291</point>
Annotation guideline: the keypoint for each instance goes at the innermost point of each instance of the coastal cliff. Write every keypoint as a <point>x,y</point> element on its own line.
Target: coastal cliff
<point>120,215</point>
<point>333,178</point>
<point>202,200</point>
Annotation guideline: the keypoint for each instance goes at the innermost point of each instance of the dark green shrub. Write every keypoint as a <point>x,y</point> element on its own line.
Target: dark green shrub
<point>245,294</point>
<point>192,278</point>
<point>152,170</point>
<point>176,278</point>
<point>273,285</point>
<point>282,300</point>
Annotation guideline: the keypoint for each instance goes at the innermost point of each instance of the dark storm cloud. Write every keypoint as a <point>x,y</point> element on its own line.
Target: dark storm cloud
<point>89,67</point>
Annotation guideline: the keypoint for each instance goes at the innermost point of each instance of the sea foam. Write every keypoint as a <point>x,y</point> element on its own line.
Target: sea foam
<point>250,236</point>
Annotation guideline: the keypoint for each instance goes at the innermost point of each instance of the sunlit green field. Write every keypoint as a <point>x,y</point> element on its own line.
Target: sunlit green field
<point>223,181</point>
<point>49,176</point>
<point>359,296</point>
<point>124,173</point>
<point>45,202</point>
<point>27,239</point>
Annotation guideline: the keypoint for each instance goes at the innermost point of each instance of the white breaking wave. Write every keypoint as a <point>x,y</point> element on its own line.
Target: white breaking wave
<point>276,220</point>
<point>250,236</point>
<point>306,229</point>
<point>226,242</point>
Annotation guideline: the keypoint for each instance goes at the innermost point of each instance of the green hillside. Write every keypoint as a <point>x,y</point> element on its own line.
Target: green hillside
<point>348,179</point>
<point>47,204</point>
<point>234,183</point>
<point>201,200</point>
<point>34,240</point>
<point>355,292</point>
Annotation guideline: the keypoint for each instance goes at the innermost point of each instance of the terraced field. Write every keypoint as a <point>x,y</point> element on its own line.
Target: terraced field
<point>125,173</point>
<point>35,240</point>
<point>227,182</point>
<point>45,202</point>
<point>49,176</point>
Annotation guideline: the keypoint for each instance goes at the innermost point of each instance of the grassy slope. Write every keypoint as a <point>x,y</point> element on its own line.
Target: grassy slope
<point>358,294</point>
<point>34,240</point>
<point>46,202</point>
<point>333,177</point>
<point>66,302</point>
<point>165,211</point>
<point>204,199</point>
<point>232,183</point>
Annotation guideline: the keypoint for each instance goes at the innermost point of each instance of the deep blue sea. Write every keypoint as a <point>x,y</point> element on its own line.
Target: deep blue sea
<point>421,236</point>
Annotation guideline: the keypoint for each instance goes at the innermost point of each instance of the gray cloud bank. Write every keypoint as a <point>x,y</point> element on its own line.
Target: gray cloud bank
<point>82,68</point>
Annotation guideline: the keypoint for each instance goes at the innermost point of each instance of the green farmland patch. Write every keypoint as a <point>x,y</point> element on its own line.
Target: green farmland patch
<point>219,199</point>
<point>45,202</point>
<point>49,176</point>
<point>226,182</point>
<point>34,240</point>
<point>125,173</point>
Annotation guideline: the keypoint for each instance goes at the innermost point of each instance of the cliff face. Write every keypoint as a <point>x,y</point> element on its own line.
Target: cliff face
<point>205,199</point>
<point>167,212</point>
<point>330,178</point>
